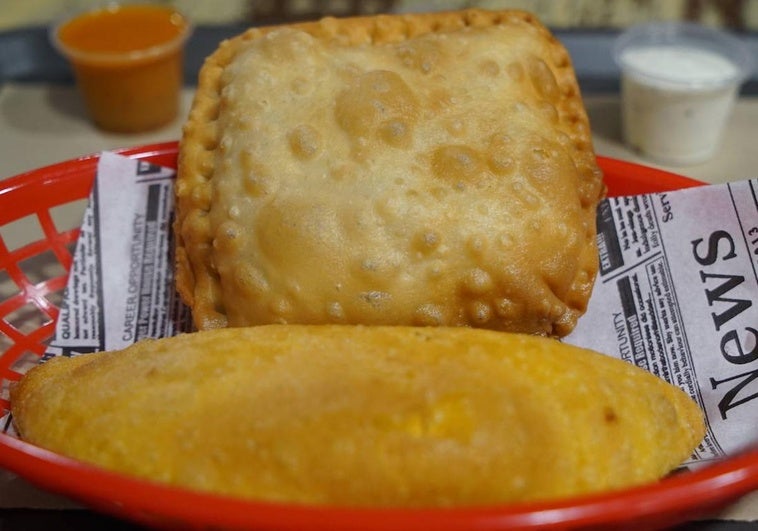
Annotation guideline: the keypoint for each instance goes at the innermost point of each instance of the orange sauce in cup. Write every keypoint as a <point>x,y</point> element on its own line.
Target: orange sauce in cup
<point>128,63</point>
<point>122,29</point>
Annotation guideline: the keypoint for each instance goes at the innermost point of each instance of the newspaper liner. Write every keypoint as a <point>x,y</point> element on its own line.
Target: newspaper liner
<point>677,291</point>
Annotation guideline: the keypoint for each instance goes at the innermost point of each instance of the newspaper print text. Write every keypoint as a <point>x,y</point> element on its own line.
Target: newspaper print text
<point>739,344</point>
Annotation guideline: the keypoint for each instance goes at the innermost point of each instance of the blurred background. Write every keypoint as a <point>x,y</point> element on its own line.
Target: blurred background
<point>586,27</point>
<point>39,104</point>
<point>733,14</point>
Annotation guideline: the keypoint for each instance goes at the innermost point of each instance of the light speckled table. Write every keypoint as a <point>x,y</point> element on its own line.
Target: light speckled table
<point>43,124</point>
<point>736,158</point>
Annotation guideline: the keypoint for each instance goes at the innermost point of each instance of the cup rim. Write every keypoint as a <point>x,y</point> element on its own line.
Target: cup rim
<point>691,35</point>
<point>141,54</point>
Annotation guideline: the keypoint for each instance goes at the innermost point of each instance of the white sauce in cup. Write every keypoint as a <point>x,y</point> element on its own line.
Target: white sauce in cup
<point>676,95</point>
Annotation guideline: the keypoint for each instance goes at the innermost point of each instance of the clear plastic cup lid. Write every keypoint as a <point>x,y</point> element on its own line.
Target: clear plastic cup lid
<point>682,55</point>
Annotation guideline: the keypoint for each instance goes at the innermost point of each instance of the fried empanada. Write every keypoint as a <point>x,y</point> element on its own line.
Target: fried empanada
<point>362,416</point>
<point>426,169</point>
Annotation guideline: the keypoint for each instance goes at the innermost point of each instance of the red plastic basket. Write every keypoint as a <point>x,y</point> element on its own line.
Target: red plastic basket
<point>27,316</point>
<point>28,303</point>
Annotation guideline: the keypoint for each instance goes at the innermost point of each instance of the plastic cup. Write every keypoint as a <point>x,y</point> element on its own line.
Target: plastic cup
<point>127,61</point>
<point>679,82</point>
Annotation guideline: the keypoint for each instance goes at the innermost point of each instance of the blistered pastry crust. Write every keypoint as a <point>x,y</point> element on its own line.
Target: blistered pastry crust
<point>494,228</point>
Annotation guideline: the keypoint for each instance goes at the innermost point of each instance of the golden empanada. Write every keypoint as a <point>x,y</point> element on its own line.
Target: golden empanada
<point>430,169</point>
<point>362,416</point>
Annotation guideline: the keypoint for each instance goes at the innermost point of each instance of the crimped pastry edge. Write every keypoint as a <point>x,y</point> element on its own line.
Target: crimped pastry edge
<point>199,286</point>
